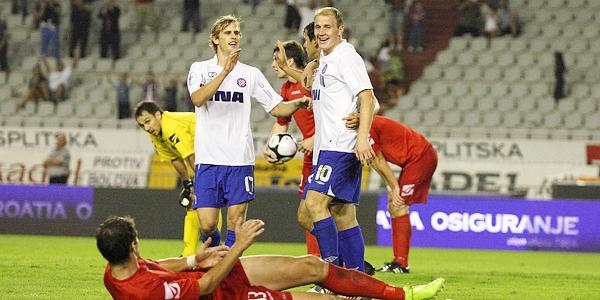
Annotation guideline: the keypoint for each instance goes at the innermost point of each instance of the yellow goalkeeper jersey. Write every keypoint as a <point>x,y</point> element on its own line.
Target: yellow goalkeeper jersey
<point>177,138</point>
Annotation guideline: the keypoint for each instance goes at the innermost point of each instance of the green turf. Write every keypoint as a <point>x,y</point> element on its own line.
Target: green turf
<point>41,267</point>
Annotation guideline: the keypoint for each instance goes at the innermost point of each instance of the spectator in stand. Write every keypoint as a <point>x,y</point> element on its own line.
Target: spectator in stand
<point>396,9</point>
<point>20,6</point>
<point>58,79</point>
<point>559,74</point>
<point>36,15</point>
<point>509,19</point>
<point>110,34</point>
<point>292,18</point>
<point>491,28</point>
<point>81,15</point>
<point>4,36</point>
<point>417,28</point>
<point>144,14</point>
<point>49,28</point>
<point>306,9</point>
<point>170,96</point>
<point>186,99</point>
<point>149,87</point>
<point>57,162</point>
<point>191,14</point>
<point>470,19</point>
<point>123,88</point>
<point>37,88</point>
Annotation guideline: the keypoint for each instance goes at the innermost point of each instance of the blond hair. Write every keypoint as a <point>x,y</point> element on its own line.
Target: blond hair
<point>331,11</point>
<point>219,25</point>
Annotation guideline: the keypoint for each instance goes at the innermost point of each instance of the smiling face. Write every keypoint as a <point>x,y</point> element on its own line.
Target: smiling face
<point>226,35</point>
<point>328,30</point>
<point>150,122</point>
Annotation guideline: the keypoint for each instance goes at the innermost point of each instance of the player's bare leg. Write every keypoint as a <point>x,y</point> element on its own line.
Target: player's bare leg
<point>234,213</point>
<point>209,219</point>
<point>279,272</point>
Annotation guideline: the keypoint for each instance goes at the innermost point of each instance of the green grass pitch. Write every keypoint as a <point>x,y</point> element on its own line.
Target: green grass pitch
<point>44,267</point>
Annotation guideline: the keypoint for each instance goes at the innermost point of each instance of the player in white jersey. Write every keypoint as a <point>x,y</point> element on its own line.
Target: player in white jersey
<point>221,89</point>
<point>341,85</point>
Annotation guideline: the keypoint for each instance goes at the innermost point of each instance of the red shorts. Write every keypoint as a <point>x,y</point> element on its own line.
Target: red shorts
<point>415,178</point>
<point>237,286</point>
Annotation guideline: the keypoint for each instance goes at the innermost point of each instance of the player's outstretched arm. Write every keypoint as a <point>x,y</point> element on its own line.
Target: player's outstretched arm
<point>245,233</point>
<point>287,108</point>
<point>205,257</point>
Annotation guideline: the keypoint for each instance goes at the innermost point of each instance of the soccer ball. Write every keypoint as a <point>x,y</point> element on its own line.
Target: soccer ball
<point>282,146</point>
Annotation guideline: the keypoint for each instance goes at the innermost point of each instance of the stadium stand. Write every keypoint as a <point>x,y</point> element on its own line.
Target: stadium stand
<point>461,84</point>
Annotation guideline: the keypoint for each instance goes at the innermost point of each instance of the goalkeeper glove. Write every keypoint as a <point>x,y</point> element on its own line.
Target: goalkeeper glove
<point>186,194</point>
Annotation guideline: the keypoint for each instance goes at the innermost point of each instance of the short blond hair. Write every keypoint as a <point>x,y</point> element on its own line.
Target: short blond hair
<point>218,26</point>
<point>331,11</point>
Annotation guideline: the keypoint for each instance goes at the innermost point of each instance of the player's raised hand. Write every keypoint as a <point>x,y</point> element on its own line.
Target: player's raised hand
<point>232,60</point>
<point>208,257</point>
<point>280,56</point>
<point>308,75</point>
<point>247,232</point>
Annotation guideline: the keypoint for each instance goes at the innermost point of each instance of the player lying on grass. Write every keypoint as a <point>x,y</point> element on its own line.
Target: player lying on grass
<point>221,273</point>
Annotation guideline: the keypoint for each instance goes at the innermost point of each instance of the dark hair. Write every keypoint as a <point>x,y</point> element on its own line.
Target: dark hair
<point>310,31</point>
<point>113,238</point>
<point>294,51</point>
<point>150,106</point>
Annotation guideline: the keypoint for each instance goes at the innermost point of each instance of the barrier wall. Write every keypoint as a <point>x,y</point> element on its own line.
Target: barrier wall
<point>488,222</point>
<point>476,222</point>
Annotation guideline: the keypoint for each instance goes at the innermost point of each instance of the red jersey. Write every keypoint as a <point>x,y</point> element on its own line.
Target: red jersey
<point>151,281</point>
<point>304,118</point>
<point>399,143</point>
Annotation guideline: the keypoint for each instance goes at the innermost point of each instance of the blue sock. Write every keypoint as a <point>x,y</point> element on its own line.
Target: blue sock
<point>327,236</point>
<point>216,238</point>
<point>230,238</point>
<point>352,248</point>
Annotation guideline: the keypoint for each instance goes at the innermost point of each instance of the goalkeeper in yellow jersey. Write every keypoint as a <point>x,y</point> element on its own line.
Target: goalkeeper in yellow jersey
<point>172,134</point>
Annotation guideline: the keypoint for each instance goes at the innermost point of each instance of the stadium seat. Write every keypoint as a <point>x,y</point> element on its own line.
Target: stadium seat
<point>533,119</point>
<point>505,59</point>
<point>411,118</point>
<point>512,119</point>
<point>505,104</point>
<point>525,60</point>
<point>492,73</point>
<point>486,59</point>
<point>479,89</point>
<point>473,73</point>
<point>459,89</point>
<point>446,103</point>
<point>587,105</point>
<point>432,72</point>
<point>540,133</point>
<point>45,109</point>
<point>538,45</point>
<point>432,118</point>
<point>472,118</point>
<point>458,44</point>
<point>445,58</point>
<point>498,89</point>
<point>580,134</point>
<point>521,133</point>
<point>71,122</point>
<point>478,132</point>
<point>438,89</point>
<point>545,105</point>
<point>466,104</point>
<point>418,89</point>
<point>592,121</point>
<point>406,102</point>
<point>438,132</point>
<point>8,107</point>
<point>465,58</point>
<point>426,103</point>
<point>453,72</point>
<point>51,122</point>
<point>566,105</point>
<point>573,121</point>
<point>491,119</point>
<point>560,134</point>
<point>478,45</point>
<point>485,104</point>
<point>13,121</point>
<point>553,120</point>
<point>452,118</point>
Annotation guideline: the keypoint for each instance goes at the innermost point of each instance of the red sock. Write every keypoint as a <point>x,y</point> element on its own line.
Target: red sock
<point>312,245</point>
<point>355,283</point>
<point>401,234</point>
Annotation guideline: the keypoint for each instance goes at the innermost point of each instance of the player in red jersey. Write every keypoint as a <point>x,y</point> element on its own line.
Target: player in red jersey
<point>304,118</point>
<point>219,273</point>
<point>401,145</point>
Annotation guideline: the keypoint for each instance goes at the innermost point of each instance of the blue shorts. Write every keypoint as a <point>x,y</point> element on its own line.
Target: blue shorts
<point>337,174</point>
<point>223,186</point>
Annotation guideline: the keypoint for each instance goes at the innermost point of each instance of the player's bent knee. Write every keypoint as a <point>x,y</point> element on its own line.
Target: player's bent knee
<point>314,267</point>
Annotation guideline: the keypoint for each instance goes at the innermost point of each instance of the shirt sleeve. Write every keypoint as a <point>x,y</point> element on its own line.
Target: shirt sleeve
<point>263,92</point>
<point>165,153</point>
<point>195,78</point>
<point>354,71</point>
